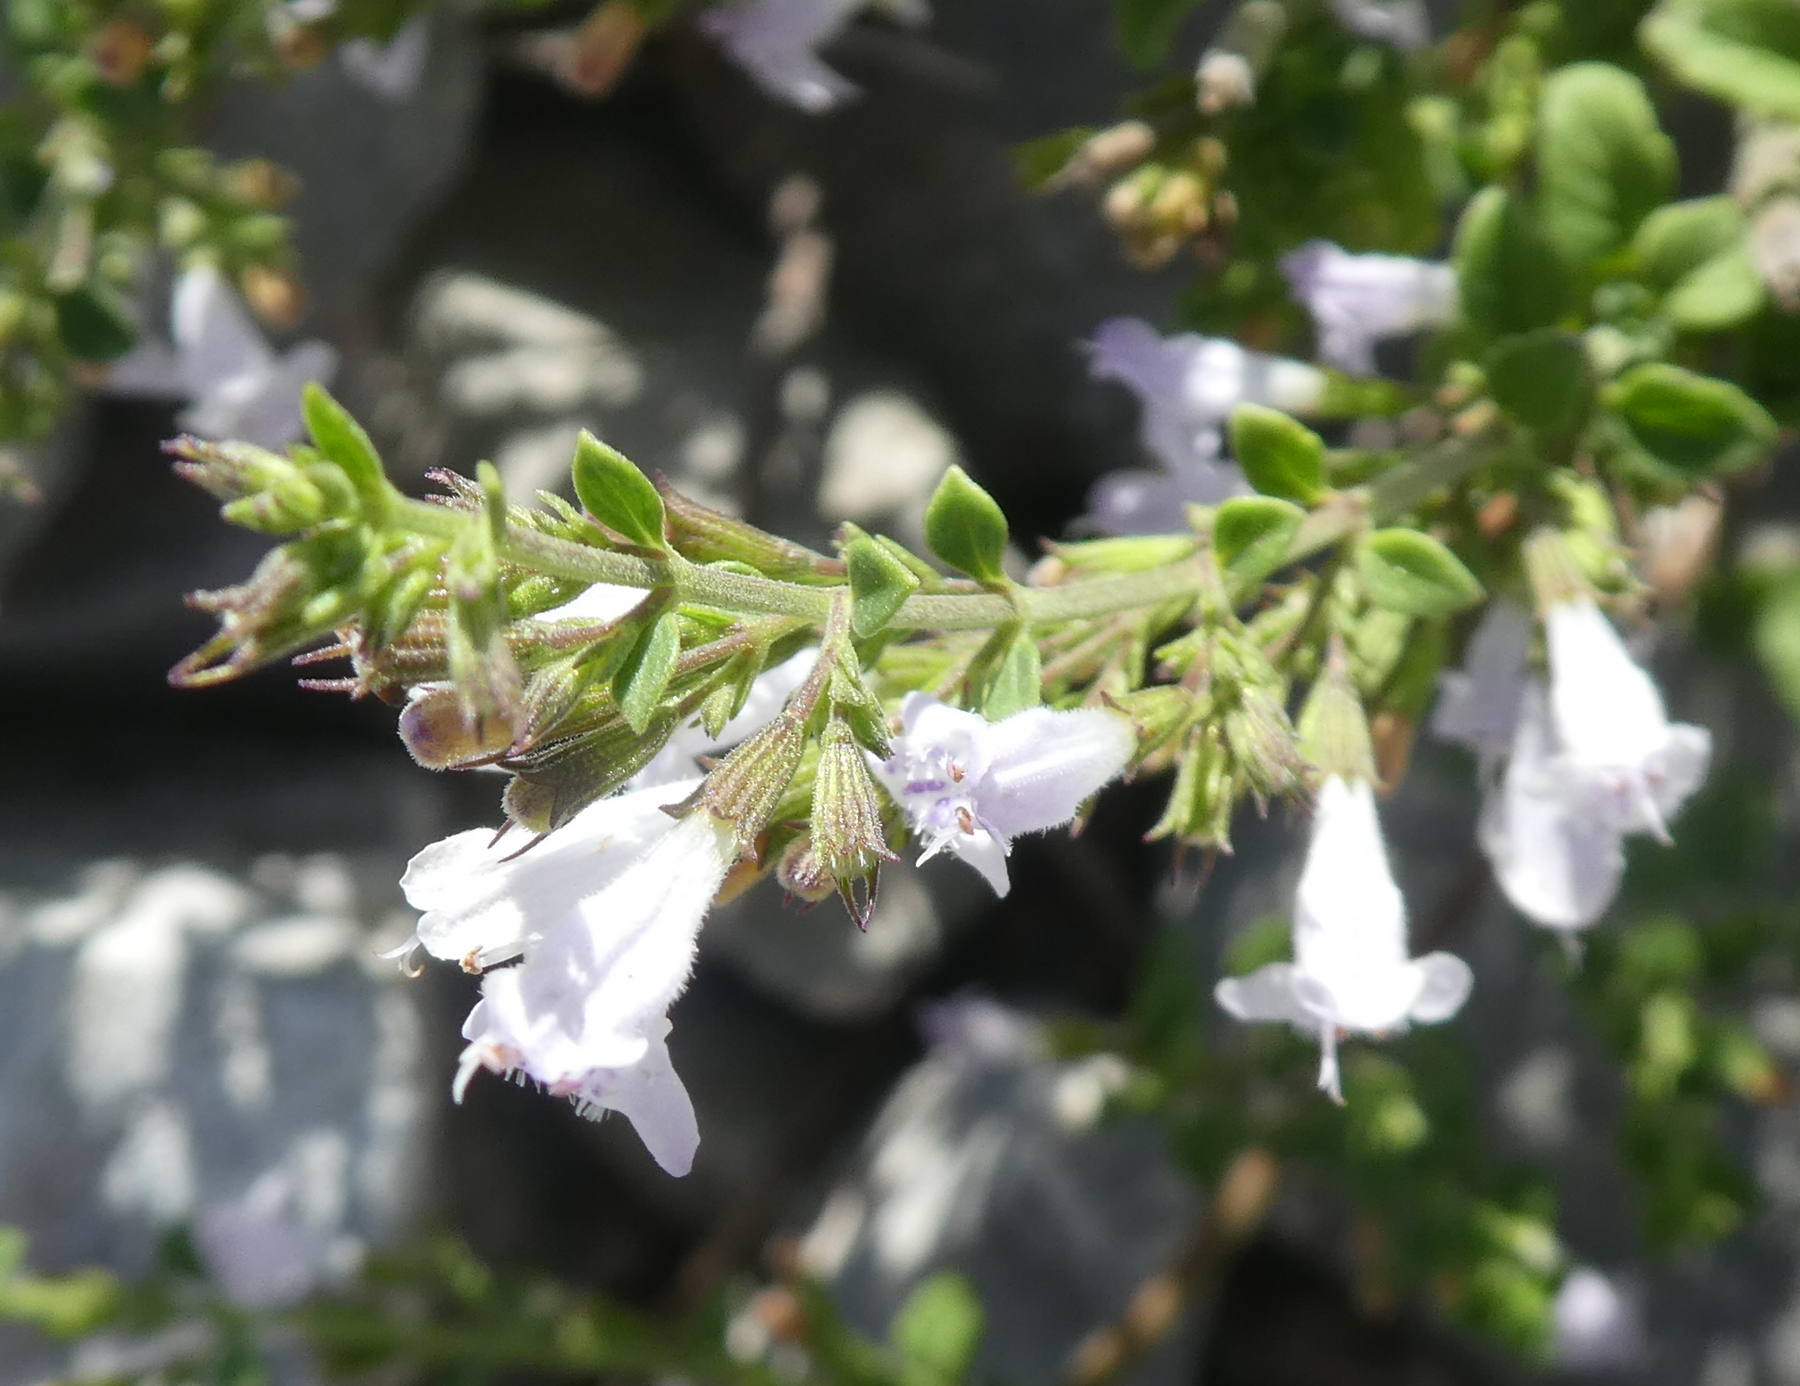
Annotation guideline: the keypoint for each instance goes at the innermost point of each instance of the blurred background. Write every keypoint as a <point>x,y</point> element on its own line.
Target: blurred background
<point>807,319</point>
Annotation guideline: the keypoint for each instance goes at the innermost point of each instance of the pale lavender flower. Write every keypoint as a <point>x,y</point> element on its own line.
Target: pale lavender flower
<point>586,1013</point>
<point>1358,300</point>
<point>1594,760</point>
<point>777,41</point>
<point>970,786</point>
<point>1479,704</point>
<point>1188,385</point>
<point>235,384</point>
<point>1598,1324</point>
<point>1138,500</point>
<point>1398,23</point>
<point>259,1248</point>
<point>393,69</point>
<point>1351,972</point>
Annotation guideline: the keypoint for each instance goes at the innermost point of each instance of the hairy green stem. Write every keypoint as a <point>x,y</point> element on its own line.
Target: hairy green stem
<point>1392,494</point>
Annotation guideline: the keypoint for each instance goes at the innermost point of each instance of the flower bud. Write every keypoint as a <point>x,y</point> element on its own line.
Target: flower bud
<point>299,593</point>
<point>746,786</point>
<point>1553,569</point>
<point>1157,714</point>
<point>800,873</point>
<point>438,733</point>
<point>553,784</point>
<point>847,833</point>
<point>1263,743</point>
<point>262,490</point>
<point>1334,733</point>
<point>1205,792</point>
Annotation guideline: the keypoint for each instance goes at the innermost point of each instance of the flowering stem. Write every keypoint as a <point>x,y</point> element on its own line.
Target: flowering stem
<point>1389,495</point>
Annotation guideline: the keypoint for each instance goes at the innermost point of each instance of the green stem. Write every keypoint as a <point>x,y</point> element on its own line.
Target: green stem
<point>1388,496</point>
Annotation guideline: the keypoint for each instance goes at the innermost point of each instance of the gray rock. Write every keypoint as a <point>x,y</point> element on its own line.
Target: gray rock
<point>176,1031</point>
<point>991,1158</point>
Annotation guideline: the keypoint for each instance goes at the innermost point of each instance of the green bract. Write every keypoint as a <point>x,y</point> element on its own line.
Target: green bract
<point>617,494</point>
<point>1280,455</point>
<point>966,528</point>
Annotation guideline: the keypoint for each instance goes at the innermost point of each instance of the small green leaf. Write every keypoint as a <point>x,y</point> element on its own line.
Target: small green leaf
<point>1724,292</point>
<point>1018,679</point>
<point>616,493</point>
<point>94,323</point>
<point>939,1326</point>
<point>341,438</point>
<point>1281,456</point>
<point>879,584</point>
<point>1511,276</point>
<point>1414,574</point>
<point>1543,380</point>
<point>966,528</point>
<point>644,677</point>
<point>1040,160</point>
<point>1146,29</point>
<point>1746,52</point>
<point>1689,425</point>
<point>1603,161</point>
<point>1697,254</point>
<point>1676,240</point>
<point>1251,535</point>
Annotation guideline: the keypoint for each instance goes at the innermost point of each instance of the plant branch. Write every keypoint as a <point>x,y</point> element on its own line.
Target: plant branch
<point>1388,496</point>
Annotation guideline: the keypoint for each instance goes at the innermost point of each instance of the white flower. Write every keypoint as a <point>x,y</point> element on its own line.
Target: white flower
<point>1358,300</point>
<point>485,901</point>
<point>1594,759</point>
<point>586,1013</point>
<point>235,384</point>
<point>1479,704</point>
<point>777,42</point>
<point>1399,23</point>
<point>1189,384</point>
<point>1351,972</point>
<point>969,786</point>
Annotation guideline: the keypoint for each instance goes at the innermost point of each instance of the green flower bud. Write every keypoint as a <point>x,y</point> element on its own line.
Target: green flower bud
<point>848,838</point>
<point>745,787</point>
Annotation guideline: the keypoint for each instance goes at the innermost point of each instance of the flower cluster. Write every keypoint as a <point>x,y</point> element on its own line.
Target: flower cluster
<point>585,938</point>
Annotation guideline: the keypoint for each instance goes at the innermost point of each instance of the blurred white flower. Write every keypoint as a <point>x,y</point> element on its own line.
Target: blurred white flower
<point>1611,723</point>
<point>258,1247</point>
<point>1188,385</point>
<point>1598,1325</point>
<point>235,384</point>
<point>1351,973</point>
<point>1479,704</point>
<point>586,1013</point>
<point>969,786</point>
<point>1399,23</point>
<point>1358,300</point>
<point>394,69</point>
<point>777,41</point>
<point>1594,759</point>
<point>1551,847</point>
